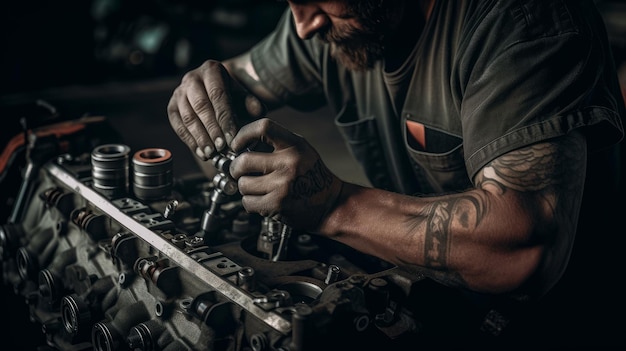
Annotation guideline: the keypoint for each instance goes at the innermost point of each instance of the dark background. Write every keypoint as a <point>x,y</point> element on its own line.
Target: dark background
<point>50,44</point>
<point>122,59</point>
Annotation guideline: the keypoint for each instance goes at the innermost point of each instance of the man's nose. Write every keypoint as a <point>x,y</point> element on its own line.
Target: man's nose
<point>309,19</point>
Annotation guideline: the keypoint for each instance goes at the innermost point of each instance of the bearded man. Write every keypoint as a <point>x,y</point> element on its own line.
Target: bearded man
<point>476,123</point>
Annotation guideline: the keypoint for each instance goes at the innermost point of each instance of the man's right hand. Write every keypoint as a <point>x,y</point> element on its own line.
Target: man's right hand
<point>206,108</point>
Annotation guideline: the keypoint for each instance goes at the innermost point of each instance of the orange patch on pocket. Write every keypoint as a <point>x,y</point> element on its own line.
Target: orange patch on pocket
<point>418,132</point>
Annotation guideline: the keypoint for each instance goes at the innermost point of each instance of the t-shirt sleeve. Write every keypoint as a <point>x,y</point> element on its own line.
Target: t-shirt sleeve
<point>290,67</point>
<point>541,77</point>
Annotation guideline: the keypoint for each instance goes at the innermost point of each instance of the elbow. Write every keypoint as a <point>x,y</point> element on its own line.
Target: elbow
<point>512,262</point>
<point>514,270</point>
<point>505,268</point>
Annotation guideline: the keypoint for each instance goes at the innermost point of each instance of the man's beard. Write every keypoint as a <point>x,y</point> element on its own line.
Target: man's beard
<point>360,48</point>
<point>355,49</point>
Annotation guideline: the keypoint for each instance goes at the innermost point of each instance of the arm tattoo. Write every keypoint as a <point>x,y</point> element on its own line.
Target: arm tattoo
<point>312,182</point>
<point>466,211</point>
<point>537,167</point>
<point>437,235</point>
<point>552,171</point>
<point>527,169</point>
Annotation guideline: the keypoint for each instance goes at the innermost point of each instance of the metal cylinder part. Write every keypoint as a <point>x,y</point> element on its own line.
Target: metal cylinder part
<point>246,278</point>
<point>301,323</point>
<point>10,235</point>
<point>152,174</point>
<point>110,334</point>
<point>104,337</point>
<point>110,173</point>
<point>144,336</point>
<point>76,317</point>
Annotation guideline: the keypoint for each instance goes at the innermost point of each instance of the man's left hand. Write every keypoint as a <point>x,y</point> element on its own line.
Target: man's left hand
<point>291,183</point>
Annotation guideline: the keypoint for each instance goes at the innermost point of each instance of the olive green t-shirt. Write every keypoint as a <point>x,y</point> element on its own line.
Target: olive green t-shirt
<point>485,78</point>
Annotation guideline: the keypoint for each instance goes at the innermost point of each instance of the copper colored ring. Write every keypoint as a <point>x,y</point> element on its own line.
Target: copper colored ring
<point>152,155</point>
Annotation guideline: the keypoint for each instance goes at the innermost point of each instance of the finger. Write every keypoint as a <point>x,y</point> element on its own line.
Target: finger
<point>218,89</point>
<point>201,105</point>
<point>259,185</point>
<point>264,205</point>
<point>266,131</point>
<point>179,127</point>
<point>196,128</point>
<point>253,163</point>
<point>187,125</point>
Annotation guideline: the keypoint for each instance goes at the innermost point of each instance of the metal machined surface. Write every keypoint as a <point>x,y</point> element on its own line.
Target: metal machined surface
<point>168,249</point>
<point>102,267</point>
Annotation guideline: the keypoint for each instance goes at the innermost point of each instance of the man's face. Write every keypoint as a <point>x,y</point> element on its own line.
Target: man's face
<point>355,29</point>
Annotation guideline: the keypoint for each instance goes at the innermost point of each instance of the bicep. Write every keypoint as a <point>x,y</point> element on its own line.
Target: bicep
<point>552,172</point>
<point>543,183</point>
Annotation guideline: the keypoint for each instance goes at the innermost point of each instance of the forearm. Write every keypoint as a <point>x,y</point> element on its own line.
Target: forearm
<point>465,240</point>
<point>517,224</point>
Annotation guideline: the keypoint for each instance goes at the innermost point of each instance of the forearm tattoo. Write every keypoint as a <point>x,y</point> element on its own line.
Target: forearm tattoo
<point>466,210</point>
<point>315,180</point>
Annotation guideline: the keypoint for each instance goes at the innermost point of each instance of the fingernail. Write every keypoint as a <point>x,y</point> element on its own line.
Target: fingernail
<point>208,151</point>
<point>219,143</point>
<point>229,138</point>
<point>200,154</point>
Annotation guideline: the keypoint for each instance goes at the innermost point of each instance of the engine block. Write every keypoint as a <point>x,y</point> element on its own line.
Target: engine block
<point>114,252</point>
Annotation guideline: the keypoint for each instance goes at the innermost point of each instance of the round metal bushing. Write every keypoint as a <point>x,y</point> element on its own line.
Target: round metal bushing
<point>145,336</point>
<point>10,235</point>
<point>110,169</point>
<point>76,317</point>
<point>49,286</point>
<point>152,173</point>
<point>106,338</point>
<point>27,264</point>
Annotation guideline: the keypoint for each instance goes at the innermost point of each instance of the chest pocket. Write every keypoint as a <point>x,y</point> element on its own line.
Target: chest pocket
<point>437,159</point>
<point>363,141</point>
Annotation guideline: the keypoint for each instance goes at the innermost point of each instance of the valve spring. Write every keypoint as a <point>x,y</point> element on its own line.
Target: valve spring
<point>82,218</point>
<point>52,196</point>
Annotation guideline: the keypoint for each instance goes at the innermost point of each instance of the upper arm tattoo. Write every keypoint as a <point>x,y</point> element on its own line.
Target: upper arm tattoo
<point>553,171</point>
<point>555,166</point>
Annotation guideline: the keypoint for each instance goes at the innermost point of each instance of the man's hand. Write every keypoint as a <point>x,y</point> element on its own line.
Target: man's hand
<point>290,184</point>
<point>207,106</point>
